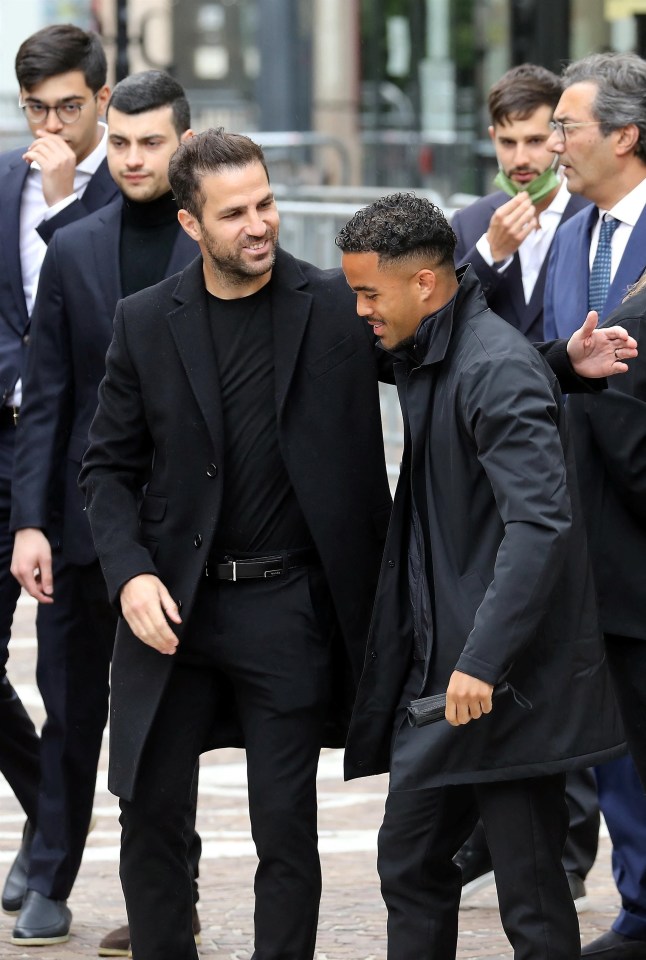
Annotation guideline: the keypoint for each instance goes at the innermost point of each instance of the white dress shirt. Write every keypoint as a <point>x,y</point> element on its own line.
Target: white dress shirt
<point>628,211</point>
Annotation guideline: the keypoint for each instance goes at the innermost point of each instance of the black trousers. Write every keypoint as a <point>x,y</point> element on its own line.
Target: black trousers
<point>268,640</point>
<point>627,662</point>
<point>526,823</point>
<point>19,743</point>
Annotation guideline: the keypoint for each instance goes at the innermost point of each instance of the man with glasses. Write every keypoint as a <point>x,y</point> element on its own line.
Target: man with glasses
<point>600,137</point>
<point>60,177</point>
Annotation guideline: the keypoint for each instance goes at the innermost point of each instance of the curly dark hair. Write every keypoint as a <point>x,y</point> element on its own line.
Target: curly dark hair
<point>400,227</point>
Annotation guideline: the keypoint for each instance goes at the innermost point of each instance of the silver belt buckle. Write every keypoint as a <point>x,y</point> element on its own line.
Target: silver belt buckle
<point>235,569</point>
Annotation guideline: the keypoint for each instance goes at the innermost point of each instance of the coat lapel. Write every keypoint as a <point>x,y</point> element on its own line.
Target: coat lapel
<point>11,189</point>
<point>189,324</point>
<point>104,240</point>
<point>290,311</point>
<point>631,266</point>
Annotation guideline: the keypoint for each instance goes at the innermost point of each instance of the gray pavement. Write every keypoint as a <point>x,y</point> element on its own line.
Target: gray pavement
<point>352,922</point>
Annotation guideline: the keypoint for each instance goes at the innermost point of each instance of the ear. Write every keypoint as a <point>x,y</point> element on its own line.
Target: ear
<point>190,225</point>
<point>492,133</point>
<point>102,98</point>
<point>426,281</point>
<point>628,139</point>
<point>187,135</point>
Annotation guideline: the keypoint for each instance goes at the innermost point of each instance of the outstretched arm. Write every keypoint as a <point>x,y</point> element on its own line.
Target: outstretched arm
<point>600,352</point>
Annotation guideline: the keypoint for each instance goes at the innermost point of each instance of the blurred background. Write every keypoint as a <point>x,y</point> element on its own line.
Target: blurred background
<point>346,92</point>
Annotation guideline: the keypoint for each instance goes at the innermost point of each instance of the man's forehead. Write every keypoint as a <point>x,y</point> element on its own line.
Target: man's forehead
<point>149,123</point>
<point>576,98</point>
<point>62,86</point>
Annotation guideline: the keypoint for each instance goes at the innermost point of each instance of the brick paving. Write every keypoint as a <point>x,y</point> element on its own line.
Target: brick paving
<point>352,922</point>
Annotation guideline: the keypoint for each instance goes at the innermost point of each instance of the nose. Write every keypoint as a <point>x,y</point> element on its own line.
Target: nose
<point>256,226</point>
<point>52,123</point>
<point>520,156</point>
<point>364,307</point>
<point>133,157</point>
<point>555,142</point>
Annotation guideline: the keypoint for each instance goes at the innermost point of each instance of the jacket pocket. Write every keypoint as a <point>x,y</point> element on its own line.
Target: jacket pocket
<point>153,508</point>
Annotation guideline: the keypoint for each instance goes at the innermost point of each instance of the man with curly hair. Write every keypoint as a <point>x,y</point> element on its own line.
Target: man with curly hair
<point>485,599</point>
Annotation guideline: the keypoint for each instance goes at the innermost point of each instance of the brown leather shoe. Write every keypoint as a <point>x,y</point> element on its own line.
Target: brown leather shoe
<point>117,942</point>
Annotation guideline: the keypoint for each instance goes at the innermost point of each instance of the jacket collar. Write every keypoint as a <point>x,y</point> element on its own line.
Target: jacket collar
<point>435,330</point>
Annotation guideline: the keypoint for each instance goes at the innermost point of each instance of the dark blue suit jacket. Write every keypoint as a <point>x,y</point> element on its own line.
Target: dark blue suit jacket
<point>566,289</point>
<point>504,291</point>
<point>14,320</point>
<point>71,330</point>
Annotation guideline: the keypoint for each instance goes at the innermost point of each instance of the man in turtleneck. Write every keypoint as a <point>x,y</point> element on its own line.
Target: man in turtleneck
<point>131,244</point>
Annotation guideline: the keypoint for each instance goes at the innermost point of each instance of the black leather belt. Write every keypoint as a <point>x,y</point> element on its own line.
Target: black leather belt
<point>9,416</point>
<point>262,568</point>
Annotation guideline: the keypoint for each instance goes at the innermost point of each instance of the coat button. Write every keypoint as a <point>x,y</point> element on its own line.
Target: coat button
<point>25,338</point>
<point>373,654</point>
<point>197,540</point>
<point>211,470</point>
<point>391,563</point>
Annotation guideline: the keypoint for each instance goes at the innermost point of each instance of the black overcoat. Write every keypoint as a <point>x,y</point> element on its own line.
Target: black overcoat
<point>159,423</point>
<point>488,461</point>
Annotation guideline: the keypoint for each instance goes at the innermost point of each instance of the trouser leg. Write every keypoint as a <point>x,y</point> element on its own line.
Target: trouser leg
<point>155,872</point>
<point>274,647</point>
<point>526,823</point>
<point>75,640</point>
<point>19,743</point>
<point>421,833</point>
<point>583,813</point>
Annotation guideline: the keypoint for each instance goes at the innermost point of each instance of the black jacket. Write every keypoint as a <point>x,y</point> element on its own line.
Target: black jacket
<point>488,466</point>
<point>609,435</point>
<point>159,423</point>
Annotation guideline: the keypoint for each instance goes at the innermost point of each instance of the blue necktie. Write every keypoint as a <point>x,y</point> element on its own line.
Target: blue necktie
<point>600,273</point>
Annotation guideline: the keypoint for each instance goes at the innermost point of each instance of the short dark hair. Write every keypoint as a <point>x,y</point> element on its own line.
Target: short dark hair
<point>521,91</point>
<point>58,49</point>
<point>207,153</point>
<point>150,90</point>
<point>620,79</point>
<point>400,227</point>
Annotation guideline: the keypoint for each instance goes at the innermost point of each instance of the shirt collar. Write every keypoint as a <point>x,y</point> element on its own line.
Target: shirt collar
<point>629,209</point>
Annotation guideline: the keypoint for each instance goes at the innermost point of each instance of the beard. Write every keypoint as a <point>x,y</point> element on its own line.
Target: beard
<point>232,264</point>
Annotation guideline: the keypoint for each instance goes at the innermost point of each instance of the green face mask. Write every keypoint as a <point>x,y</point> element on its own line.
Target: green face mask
<point>537,189</point>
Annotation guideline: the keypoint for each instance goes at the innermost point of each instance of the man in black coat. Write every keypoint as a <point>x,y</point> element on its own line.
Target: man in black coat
<point>89,265</point>
<point>62,176</point>
<point>485,581</point>
<point>238,396</point>
<point>609,437</point>
<point>508,242</point>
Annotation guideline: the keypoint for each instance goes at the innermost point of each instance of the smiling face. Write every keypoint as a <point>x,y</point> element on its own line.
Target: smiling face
<point>84,134</point>
<point>237,230</point>
<point>521,146</point>
<point>393,298</point>
<point>139,149</point>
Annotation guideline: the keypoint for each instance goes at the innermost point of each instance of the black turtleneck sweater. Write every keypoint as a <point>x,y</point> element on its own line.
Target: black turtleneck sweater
<point>148,232</point>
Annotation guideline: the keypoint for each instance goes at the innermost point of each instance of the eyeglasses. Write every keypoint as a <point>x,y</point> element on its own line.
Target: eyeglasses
<point>38,112</point>
<point>560,127</point>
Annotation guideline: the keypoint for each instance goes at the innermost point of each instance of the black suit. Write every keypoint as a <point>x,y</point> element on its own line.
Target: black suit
<point>71,329</point>
<point>167,432</point>
<point>19,745</point>
<point>504,290</point>
<point>506,297</point>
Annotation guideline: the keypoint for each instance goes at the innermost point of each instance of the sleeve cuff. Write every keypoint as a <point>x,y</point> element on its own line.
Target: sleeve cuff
<point>52,211</point>
<point>484,249</point>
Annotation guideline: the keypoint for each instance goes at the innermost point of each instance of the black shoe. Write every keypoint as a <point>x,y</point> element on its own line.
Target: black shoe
<point>614,946</point>
<point>578,891</point>
<point>15,886</point>
<point>42,921</point>
<point>475,863</point>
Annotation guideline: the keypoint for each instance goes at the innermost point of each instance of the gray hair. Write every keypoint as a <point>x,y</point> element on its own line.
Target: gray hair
<point>620,79</point>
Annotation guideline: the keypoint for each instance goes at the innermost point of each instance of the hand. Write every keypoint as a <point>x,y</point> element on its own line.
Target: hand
<point>467,698</point>
<point>600,353</point>
<point>31,564</point>
<point>57,162</point>
<point>146,603</point>
<point>510,225</point>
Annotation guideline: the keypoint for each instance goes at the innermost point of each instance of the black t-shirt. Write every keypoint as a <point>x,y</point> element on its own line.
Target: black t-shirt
<point>260,513</point>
